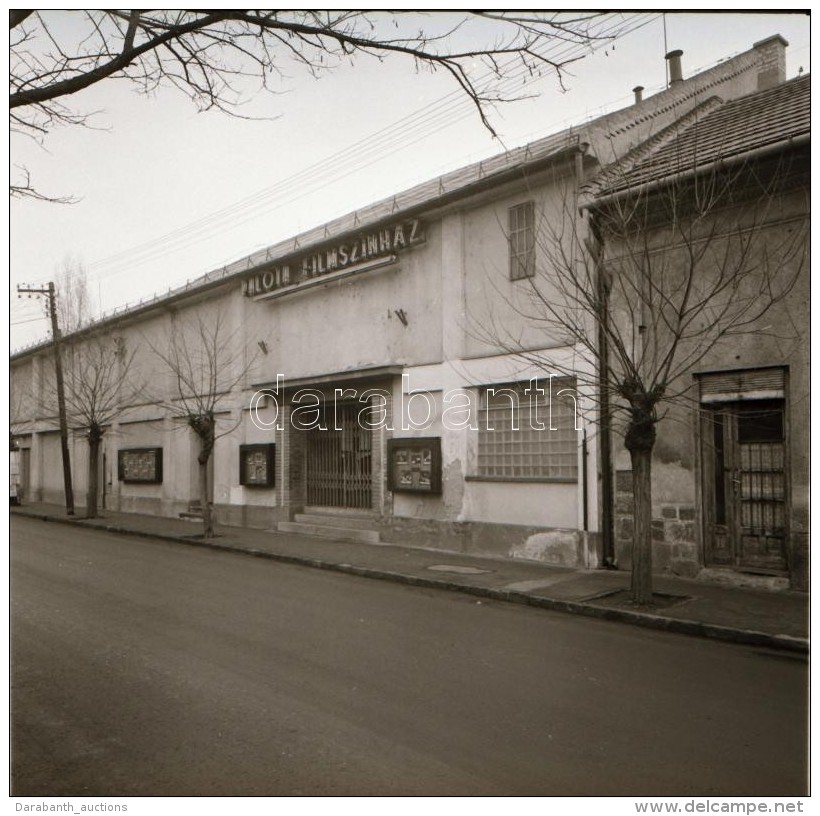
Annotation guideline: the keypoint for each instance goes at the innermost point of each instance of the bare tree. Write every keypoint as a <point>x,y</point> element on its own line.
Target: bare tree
<point>205,362</point>
<point>98,386</point>
<point>74,302</point>
<point>655,279</point>
<point>212,55</point>
<point>25,189</point>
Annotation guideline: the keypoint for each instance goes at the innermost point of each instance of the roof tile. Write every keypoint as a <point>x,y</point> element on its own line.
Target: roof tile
<point>712,134</point>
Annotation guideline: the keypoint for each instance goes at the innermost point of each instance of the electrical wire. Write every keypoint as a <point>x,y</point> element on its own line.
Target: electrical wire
<point>407,131</point>
<point>447,111</point>
<point>30,320</point>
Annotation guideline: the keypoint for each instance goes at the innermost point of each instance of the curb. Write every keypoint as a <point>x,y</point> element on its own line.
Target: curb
<point>726,634</point>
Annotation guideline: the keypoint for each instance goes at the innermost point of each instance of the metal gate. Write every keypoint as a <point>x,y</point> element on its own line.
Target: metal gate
<point>339,459</point>
<point>745,496</point>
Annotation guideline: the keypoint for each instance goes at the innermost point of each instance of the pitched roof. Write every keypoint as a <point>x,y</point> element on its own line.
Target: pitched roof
<point>461,181</point>
<point>715,132</point>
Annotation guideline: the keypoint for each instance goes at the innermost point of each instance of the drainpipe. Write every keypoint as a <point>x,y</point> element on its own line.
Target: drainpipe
<point>604,408</point>
<point>606,501</point>
<point>584,476</point>
<point>580,177</point>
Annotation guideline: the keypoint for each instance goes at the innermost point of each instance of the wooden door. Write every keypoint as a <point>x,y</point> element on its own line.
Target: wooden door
<point>745,485</point>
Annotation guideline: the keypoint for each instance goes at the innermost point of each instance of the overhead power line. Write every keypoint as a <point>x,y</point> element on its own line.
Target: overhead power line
<point>446,111</point>
<point>30,320</point>
<point>409,130</point>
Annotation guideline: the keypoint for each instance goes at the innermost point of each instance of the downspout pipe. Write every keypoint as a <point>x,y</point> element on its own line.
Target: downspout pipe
<point>595,247</point>
<point>604,407</point>
<point>607,556</point>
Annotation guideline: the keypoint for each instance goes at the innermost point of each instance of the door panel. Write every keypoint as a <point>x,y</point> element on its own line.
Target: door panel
<point>718,483</point>
<point>745,495</point>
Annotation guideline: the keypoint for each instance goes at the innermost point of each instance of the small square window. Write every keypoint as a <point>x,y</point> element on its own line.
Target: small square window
<point>522,241</point>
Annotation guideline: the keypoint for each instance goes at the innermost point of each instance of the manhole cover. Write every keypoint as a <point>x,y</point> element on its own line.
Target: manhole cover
<point>458,570</point>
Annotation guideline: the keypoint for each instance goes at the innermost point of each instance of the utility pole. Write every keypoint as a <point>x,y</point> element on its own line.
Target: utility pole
<point>58,366</point>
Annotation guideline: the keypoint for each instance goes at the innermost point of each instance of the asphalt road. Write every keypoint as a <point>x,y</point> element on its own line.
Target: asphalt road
<point>147,668</point>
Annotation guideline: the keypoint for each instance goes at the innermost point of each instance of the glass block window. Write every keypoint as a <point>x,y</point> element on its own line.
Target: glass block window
<point>522,241</point>
<point>515,440</point>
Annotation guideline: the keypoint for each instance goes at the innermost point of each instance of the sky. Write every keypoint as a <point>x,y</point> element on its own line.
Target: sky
<point>166,194</point>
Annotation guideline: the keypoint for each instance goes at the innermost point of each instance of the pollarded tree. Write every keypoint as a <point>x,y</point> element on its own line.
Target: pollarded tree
<point>205,362</point>
<point>673,261</point>
<point>212,55</point>
<point>99,384</point>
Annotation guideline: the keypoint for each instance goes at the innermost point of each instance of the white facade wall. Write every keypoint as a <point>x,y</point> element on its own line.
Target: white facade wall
<point>443,313</point>
<point>415,316</point>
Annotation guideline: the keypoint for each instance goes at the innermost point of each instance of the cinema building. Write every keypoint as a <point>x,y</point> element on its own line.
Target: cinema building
<point>381,377</point>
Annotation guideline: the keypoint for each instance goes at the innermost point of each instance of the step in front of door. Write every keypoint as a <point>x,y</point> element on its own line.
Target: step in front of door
<point>328,531</point>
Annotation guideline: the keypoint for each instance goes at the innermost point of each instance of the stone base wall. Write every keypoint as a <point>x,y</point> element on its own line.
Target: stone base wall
<point>231,515</point>
<point>426,533</point>
<point>675,549</point>
<point>564,548</point>
<point>249,515</point>
<point>559,547</point>
<point>674,545</point>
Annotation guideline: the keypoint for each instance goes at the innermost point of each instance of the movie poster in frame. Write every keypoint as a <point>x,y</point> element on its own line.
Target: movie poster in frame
<point>257,465</point>
<point>415,465</point>
<point>139,465</point>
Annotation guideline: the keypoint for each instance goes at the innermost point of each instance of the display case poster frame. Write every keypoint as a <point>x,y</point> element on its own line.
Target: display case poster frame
<point>414,465</point>
<point>139,465</point>
<point>257,465</point>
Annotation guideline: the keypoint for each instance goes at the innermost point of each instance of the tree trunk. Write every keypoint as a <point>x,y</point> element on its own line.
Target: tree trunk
<point>204,426</point>
<point>642,535</point>
<point>639,441</point>
<point>205,450</point>
<point>94,441</point>
<point>204,503</point>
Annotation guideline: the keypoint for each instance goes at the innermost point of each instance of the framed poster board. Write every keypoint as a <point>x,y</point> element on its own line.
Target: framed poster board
<point>414,465</point>
<point>140,465</point>
<point>257,465</point>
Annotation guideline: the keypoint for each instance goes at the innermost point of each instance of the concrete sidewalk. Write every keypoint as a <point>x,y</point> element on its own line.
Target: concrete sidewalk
<point>755,617</point>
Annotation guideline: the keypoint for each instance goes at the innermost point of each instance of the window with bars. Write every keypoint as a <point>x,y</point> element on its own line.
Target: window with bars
<point>522,241</point>
<point>526,434</point>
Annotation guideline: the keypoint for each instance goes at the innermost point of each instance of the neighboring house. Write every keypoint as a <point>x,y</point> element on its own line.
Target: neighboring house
<point>412,311</point>
<point>723,192</point>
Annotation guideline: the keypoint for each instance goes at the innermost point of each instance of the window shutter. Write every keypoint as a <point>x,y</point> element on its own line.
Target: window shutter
<point>743,384</point>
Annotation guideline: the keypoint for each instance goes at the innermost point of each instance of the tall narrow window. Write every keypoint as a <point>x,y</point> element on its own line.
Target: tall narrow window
<point>522,241</point>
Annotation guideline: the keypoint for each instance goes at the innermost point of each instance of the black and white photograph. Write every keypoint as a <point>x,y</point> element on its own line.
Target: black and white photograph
<point>409,405</point>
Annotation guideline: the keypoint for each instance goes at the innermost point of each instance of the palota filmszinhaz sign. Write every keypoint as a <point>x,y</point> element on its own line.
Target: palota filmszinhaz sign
<point>346,255</point>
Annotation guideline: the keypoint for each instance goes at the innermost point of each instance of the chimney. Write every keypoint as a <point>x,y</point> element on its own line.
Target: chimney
<point>772,64</point>
<point>675,71</point>
<point>638,91</point>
